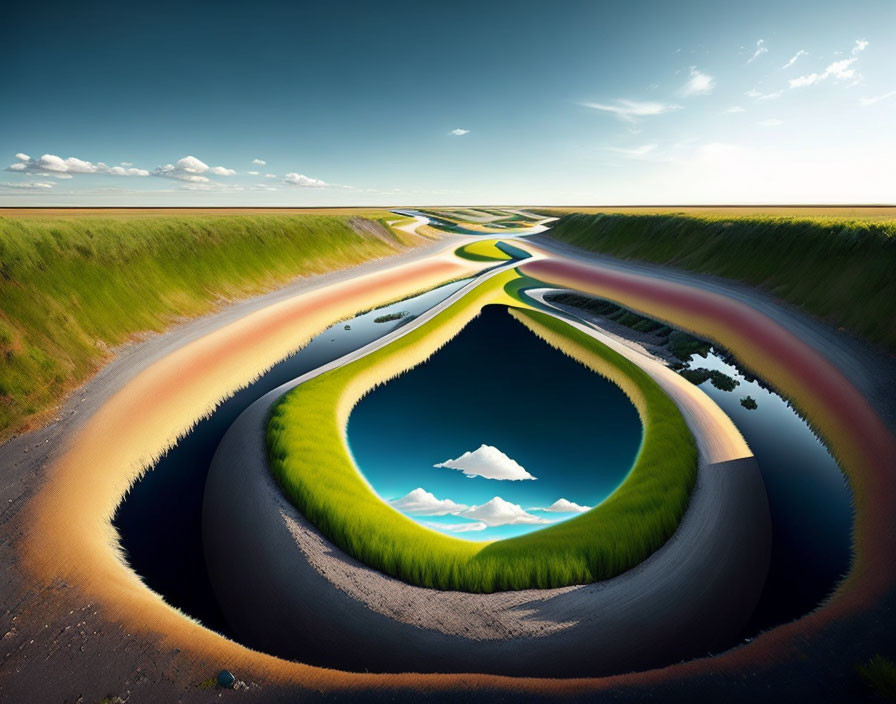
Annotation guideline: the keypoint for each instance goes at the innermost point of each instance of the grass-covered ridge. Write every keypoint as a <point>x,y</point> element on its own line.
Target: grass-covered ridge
<point>482,251</point>
<point>840,270</point>
<point>309,456</point>
<point>71,286</point>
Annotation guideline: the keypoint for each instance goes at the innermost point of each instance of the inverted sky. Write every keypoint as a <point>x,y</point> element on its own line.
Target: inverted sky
<point>447,102</point>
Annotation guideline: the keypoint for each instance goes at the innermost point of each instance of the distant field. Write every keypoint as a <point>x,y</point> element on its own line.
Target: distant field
<point>74,284</point>
<point>128,213</point>
<point>839,269</point>
<point>851,212</point>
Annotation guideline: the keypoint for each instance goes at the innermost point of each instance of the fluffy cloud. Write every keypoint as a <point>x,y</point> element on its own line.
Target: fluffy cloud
<point>191,170</point>
<point>760,50</point>
<point>302,181</point>
<point>631,110</point>
<point>53,165</point>
<point>457,527</point>
<point>459,132</point>
<point>860,46</point>
<point>699,83</point>
<point>270,175</point>
<point>422,502</point>
<point>563,506</point>
<point>128,171</point>
<point>795,57</point>
<point>259,162</point>
<point>253,173</point>
<point>499,512</point>
<point>487,462</point>
<point>839,70</point>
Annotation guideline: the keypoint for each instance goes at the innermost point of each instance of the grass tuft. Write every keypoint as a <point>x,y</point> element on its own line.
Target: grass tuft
<point>879,673</point>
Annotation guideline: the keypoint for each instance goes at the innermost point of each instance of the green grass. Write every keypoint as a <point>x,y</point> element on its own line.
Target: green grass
<point>879,673</point>
<point>71,288</point>
<point>309,457</point>
<point>482,251</point>
<point>838,269</point>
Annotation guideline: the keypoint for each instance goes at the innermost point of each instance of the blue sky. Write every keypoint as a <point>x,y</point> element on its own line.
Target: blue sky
<point>563,102</point>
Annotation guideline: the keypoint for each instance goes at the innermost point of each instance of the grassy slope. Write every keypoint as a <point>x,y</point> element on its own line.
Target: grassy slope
<point>839,270</point>
<point>310,458</point>
<point>71,287</point>
<point>482,251</point>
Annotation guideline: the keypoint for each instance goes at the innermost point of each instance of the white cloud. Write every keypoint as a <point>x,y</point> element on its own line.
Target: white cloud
<point>127,163</point>
<point>29,185</point>
<point>129,171</point>
<point>424,503</point>
<point>735,108</point>
<point>259,162</point>
<point>839,70</point>
<point>459,132</point>
<point>759,97</point>
<point>252,173</point>
<point>860,46</point>
<point>192,165</point>
<point>487,462</point>
<point>634,152</point>
<point>770,122</point>
<point>499,512</point>
<point>191,170</point>
<point>270,175</point>
<point>794,58</point>
<point>630,110</point>
<point>699,83</point>
<point>457,527</point>
<point>302,181</point>
<point>760,50</point>
<point>563,506</point>
<point>53,165</point>
<point>865,102</point>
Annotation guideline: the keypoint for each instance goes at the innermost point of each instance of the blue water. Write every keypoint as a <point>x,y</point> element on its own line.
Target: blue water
<point>809,498</point>
<point>497,384</point>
